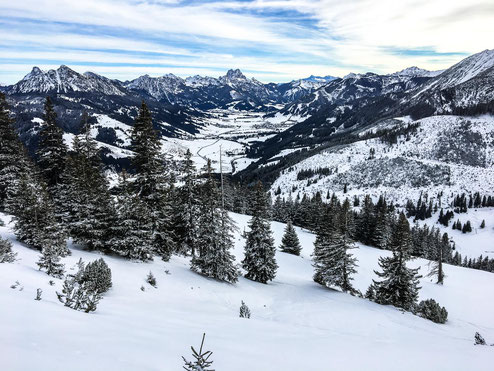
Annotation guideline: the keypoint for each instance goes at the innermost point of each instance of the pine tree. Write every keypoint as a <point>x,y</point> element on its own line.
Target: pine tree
<point>399,286</point>
<point>244,311</point>
<point>14,162</point>
<point>6,254</point>
<point>290,242</point>
<point>202,362</point>
<point>132,230</point>
<point>189,208</point>
<point>150,183</point>
<point>50,261</point>
<point>259,258</point>
<point>333,264</point>
<point>87,207</point>
<point>215,239</point>
<point>482,225</point>
<point>51,150</point>
<point>437,267</point>
<point>35,224</point>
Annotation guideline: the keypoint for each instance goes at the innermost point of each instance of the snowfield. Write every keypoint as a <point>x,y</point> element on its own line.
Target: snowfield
<point>295,324</point>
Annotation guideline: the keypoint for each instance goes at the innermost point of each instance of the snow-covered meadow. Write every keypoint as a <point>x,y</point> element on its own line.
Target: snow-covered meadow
<point>295,324</point>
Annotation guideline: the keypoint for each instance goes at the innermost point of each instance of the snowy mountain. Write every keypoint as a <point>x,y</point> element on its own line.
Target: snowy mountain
<point>64,80</point>
<point>417,72</point>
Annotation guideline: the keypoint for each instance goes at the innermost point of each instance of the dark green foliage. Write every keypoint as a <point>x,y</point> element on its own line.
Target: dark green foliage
<point>259,258</point>
<point>151,183</point>
<point>244,311</point>
<point>14,163</point>
<point>290,242</point>
<point>399,286</point>
<point>83,290</point>
<point>50,261</point>
<point>6,254</point>
<point>467,227</point>
<point>479,339</point>
<point>51,150</point>
<point>202,362</point>
<point>431,310</point>
<point>97,276</point>
<point>132,230</point>
<point>214,236</point>
<point>151,279</point>
<point>84,203</point>
<point>482,225</point>
<point>333,264</point>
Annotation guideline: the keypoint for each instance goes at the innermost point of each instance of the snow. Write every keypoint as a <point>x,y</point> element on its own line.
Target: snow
<point>295,324</point>
<point>399,171</point>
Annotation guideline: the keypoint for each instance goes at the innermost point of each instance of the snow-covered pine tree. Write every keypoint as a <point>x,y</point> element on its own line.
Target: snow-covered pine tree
<point>244,311</point>
<point>399,286</point>
<point>259,258</point>
<point>333,264</point>
<point>151,183</point>
<point>366,222</point>
<point>215,239</point>
<point>14,162</point>
<point>189,208</point>
<point>52,151</point>
<point>290,242</point>
<point>88,208</point>
<point>6,254</point>
<point>50,261</point>
<point>131,232</point>
<point>35,220</point>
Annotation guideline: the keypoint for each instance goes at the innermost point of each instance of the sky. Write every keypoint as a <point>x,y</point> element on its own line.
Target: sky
<point>271,40</point>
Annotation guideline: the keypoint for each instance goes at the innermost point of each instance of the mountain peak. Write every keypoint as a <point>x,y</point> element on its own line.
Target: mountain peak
<point>235,74</point>
<point>415,71</point>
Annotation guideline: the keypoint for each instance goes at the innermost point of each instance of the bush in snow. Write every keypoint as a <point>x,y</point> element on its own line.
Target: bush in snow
<point>38,294</point>
<point>244,311</point>
<point>479,340</point>
<point>6,254</point>
<point>2,224</point>
<point>83,290</point>
<point>97,276</point>
<point>151,279</point>
<point>431,310</point>
<point>201,362</point>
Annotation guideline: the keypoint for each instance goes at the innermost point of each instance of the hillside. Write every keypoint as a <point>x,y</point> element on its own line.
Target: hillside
<point>449,154</point>
<point>295,323</point>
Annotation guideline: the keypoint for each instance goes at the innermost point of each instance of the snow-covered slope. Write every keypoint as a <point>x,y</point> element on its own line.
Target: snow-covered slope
<point>295,324</point>
<point>446,153</point>
<point>417,72</point>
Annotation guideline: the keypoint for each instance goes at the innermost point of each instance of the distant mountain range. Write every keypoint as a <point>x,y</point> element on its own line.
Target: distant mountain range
<point>320,107</point>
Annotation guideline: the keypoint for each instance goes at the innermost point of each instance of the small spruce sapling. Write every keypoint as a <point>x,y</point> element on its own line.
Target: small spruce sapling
<point>244,311</point>
<point>50,261</point>
<point>202,362</point>
<point>482,225</point>
<point>479,340</point>
<point>38,294</point>
<point>151,279</point>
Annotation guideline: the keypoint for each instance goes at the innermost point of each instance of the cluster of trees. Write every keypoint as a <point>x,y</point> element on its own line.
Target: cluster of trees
<point>461,203</point>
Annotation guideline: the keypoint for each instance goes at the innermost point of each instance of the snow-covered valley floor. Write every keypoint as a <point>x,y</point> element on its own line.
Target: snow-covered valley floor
<point>296,325</point>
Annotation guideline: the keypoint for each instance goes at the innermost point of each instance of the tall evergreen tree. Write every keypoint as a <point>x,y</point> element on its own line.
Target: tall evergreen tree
<point>51,150</point>
<point>50,261</point>
<point>215,239</point>
<point>151,183</point>
<point>132,230</point>
<point>14,162</point>
<point>437,266</point>
<point>333,264</point>
<point>259,259</point>
<point>87,206</point>
<point>399,286</point>
<point>290,242</point>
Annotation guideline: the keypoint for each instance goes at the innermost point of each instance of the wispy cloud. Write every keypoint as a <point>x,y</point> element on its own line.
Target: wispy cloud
<point>273,40</point>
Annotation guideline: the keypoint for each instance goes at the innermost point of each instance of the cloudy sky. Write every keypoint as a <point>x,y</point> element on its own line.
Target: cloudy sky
<point>271,40</point>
